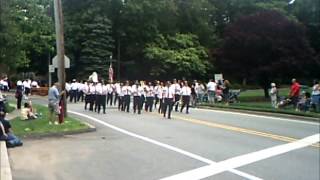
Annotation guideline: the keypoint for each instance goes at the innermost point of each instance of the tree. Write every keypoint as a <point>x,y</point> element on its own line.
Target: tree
<point>176,56</point>
<point>97,44</point>
<point>265,46</point>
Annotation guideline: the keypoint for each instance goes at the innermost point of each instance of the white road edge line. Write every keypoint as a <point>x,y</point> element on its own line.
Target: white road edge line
<point>260,116</point>
<point>242,160</point>
<point>166,146</point>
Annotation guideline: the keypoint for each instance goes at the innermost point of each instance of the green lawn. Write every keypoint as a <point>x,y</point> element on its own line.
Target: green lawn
<point>41,125</point>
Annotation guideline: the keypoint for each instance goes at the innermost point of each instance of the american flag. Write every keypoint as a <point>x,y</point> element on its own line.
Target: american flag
<point>111,73</point>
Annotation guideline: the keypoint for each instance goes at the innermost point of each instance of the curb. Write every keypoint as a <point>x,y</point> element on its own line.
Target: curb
<point>61,134</point>
<point>5,169</point>
<point>279,115</point>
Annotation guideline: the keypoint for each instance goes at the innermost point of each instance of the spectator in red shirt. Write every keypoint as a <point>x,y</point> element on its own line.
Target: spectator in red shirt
<point>294,92</point>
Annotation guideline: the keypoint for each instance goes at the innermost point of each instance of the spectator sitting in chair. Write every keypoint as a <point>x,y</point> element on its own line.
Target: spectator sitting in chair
<point>6,133</point>
<point>27,112</point>
<point>304,103</point>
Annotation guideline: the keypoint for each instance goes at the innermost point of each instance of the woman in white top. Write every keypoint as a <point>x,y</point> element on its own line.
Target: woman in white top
<point>315,96</point>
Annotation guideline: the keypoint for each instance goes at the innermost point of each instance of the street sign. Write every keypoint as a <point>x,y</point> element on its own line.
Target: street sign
<point>66,62</point>
<point>218,77</point>
<point>51,69</point>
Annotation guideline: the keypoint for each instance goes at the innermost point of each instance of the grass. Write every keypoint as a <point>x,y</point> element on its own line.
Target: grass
<point>263,107</point>
<point>9,108</point>
<point>41,125</point>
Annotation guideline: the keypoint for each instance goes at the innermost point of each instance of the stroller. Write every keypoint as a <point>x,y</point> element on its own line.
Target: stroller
<point>233,95</point>
<point>283,102</point>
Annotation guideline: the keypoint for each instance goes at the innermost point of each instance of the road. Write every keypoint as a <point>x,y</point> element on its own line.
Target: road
<point>204,144</point>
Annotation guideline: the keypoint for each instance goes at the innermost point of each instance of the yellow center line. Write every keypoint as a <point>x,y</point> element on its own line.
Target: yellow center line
<point>241,130</point>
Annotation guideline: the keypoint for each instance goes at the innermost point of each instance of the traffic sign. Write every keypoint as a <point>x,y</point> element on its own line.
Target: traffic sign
<point>66,62</point>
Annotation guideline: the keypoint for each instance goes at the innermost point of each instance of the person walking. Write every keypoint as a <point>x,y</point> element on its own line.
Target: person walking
<point>92,92</point>
<point>136,92</point>
<point>273,95</point>
<point>160,97</point>
<point>19,94</point>
<point>169,99</point>
<point>74,91</point>
<point>186,95</point>
<point>110,93</point>
<point>177,92</point>
<point>149,97</point>
<point>226,91</point>
<point>127,94</point>
<point>120,97</point>
<point>98,97</point>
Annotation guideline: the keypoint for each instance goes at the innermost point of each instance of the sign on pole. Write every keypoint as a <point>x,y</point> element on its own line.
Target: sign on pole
<point>66,62</point>
<point>51,69</point>
<point>218,77</point>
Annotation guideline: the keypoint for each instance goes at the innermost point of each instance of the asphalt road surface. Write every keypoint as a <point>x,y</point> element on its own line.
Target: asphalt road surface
<point>204,144</point>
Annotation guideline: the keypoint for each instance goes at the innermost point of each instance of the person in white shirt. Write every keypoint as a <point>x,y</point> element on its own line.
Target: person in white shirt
<point>273,95</point>
<point>99,100</point>
<point>74,91</point>
<point>136,92</point>
<point>211,88</point>
<point>80,91</point>
<point>156,94</point>
<point>177,92</point>
<point>27,86</point>
<point>186,94</point>
<point>160,97</point>
<point>119,95</point>
<point>149,97</point>
<point>86,94</point>
<point>110,93</point>
<point>169,97</point>
<point>92,98</point>
<point>126,90</point>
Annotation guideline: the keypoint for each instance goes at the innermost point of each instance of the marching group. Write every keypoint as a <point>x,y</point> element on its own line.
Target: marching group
<point>162,96</point>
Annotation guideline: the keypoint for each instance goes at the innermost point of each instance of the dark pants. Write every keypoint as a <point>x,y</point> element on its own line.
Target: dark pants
<point>87,100</point>
<point>136,104</point>
<point>156,100</point>
<point>11,140</point>
<point>126,103</point>
<point>73,95</point>
<point>149,104</point>
<point>120,102</point>
<point>294,101</point>
<point>80,96</point>
<point>160,109</point>
<point>101,102</point>
<point>27,91</point>
<point>92,101</point>
<point>110,99</point>
<point>185,102</point>
<point>115,98</point>
<point>176,101</point>
<point>19,99</point>
<point>168,105</point>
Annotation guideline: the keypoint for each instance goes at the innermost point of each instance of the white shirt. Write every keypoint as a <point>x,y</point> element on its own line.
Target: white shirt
<point>149,92</point>
<point>92,89</point>
<point>68,87</point>
<point>99,88</point>
<point>316,90</point>
<point>126,90</point>
<point>104,89</point>
<point>110,88</point>
<point>118,88</point>
<point>26,84</point>
<point>169,92</point>
<point>160,92</point>
<point>74,86</point>
<point>211,86</point>
<point>177,88</point>
<point>35,84</point>
<point>186,91</point>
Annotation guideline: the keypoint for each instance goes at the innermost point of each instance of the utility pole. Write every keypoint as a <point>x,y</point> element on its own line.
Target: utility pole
<point>118,64</point>
<point>60,48</point>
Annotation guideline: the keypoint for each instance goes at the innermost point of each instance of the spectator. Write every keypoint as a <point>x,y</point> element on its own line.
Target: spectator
<point>273,95</point>
<point>315,98</point>
<point>294,92</point>
<point>225,90</point>
<point>54,98</point>
<point>19,94</point>
<point>28,113</point>
<point>304,103</point>
<point>211,87</point>
<point>6,133</point>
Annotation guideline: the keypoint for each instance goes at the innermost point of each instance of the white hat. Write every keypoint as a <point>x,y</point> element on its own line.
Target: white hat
<point>273,84</point>
<point>19,83</point>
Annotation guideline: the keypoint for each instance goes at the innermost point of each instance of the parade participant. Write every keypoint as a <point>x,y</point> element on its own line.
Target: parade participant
<point>194,94</point>
<point>74,91</point>
<point>186,94</point>
<point>156,94</point>
<point>143,94</point>
<point>92,92</point>
<point>177,90</point>
<point>19,94</point>
<point>136,92</point>
<point>120,97</point>
<point>116,92</point>
<point>126,89</point>
<point>81,87</point>
<point>68,89</point>
<point>149,97</point>
<point>98,103</point>
<point>104,97</point>
<point>110,93</point>
<point>160,97</point>
<point>87,95</point>
<point>169,92</point>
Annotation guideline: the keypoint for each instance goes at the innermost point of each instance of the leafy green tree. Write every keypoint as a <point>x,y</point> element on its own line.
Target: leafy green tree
<point>265,46</point>
<point>97,44</point>
<point>177,56</point>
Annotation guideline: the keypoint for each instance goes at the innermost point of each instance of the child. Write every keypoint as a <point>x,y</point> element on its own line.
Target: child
<point>273,95</point>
